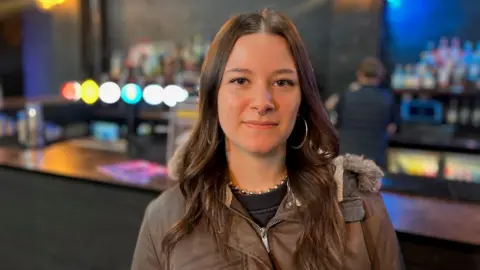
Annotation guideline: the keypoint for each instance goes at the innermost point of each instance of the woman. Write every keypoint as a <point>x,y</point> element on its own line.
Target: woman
<point>255,191</point>
<point>367,114</point>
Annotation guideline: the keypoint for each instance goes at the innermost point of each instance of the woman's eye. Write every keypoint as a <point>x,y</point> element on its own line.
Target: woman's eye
<point>283,83</point>
<point>240,81</point>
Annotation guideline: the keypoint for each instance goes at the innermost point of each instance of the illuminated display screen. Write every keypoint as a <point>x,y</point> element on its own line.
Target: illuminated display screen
<point>105,131</point>
<point>413,162</point>
<point>462,167</point>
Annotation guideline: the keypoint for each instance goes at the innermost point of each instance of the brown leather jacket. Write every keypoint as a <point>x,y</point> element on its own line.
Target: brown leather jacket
<point>371,241</point>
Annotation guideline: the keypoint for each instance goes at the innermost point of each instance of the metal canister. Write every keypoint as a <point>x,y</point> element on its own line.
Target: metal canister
<point>35,125</point>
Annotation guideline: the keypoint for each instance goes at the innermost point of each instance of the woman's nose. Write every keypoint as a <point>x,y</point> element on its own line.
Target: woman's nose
<point>263,102</point>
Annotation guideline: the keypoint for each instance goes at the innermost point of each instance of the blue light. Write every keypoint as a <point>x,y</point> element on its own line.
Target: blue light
<point>131,93</point>
<point>394,3</point>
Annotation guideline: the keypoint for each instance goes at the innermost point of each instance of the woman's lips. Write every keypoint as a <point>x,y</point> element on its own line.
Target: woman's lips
<point>260,124</point>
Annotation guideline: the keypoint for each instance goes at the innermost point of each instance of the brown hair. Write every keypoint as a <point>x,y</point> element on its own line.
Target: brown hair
<point>201,171</point>
<point>372,68</point>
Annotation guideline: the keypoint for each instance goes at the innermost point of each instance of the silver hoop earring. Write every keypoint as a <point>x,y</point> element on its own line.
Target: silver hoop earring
<point>304,138</point>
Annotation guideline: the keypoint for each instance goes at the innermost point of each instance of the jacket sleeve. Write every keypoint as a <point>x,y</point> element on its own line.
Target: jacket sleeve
<point>380,237</point>
<point>145,256</point>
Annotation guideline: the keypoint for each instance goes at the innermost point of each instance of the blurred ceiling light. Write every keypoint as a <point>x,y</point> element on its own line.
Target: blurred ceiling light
<point>48,4</point>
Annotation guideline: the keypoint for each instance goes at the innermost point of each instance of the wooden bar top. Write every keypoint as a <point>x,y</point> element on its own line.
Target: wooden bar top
<point>436,218</point>
<point>17,103</point>
<point>69,160</point>
<point>430,217</point>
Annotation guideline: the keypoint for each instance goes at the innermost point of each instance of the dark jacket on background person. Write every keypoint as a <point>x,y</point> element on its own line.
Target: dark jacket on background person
<point>371,241</point>
<point>363,117</point>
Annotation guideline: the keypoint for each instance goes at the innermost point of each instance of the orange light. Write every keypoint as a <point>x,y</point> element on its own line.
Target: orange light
<point>72,91</point>
<point>48,4</point>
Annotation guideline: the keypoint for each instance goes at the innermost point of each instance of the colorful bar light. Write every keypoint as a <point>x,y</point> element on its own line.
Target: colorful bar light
<point>153,94</point>
<point>131,93</point>
<point>72,91</point>
<point>109,92</point>
<point>90,92</point>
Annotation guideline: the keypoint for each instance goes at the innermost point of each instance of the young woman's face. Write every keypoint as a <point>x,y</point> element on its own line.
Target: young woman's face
<point>259,95</point>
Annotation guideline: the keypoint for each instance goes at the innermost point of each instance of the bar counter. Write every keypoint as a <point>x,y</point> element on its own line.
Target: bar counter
<point>76,168</point>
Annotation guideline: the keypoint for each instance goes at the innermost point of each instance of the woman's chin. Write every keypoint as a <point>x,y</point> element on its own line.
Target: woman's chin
<point>263,149</point>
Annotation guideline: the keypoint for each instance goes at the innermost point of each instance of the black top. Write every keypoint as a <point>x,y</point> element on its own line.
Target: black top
<point>263,207</point>
<point>363,119</point>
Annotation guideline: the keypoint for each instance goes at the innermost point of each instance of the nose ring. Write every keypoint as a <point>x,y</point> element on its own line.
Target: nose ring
<point>262,113</point>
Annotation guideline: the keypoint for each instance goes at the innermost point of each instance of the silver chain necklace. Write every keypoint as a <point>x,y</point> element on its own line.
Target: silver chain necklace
<point>239,190</point>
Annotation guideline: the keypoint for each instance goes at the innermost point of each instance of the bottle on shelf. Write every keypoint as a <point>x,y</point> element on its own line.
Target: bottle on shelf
<point>415,79</point>
<point>476,115</point>
<point>443,51</point>
<point>398,78</point>
<point>408,77</point>
<point>422,65</point>
<point>452,112</point>
<point>468,55</point>
<point>429,54</point>
<point>428,81</point>
<point>459,74</point>
<point>464,116</point>
<point>474,70</point>
<point>22,127</point>
<point>444,74</point>
<point>456,50</point>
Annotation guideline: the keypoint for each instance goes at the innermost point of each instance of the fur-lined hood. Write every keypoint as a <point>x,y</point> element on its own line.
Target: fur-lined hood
<point>367,175</point>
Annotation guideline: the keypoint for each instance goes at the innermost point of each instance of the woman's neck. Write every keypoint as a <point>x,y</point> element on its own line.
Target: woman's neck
<point>253,173</point>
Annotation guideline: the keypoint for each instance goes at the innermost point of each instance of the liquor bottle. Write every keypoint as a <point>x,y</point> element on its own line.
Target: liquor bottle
<point>476,115</point>
<point>464,113</point>
<point>443,51</point>
<point>429,54</point>
<point>415,79</point>
<point>398,78</point>
<point>456,50</point>
<point>468,55</point>
<point>408,77</point>
<point>452,112</point>
<point>428,81</point>
<point>459,74</point>
<point>422,65</point>
<point>474,71</point>
<point>444,74</point>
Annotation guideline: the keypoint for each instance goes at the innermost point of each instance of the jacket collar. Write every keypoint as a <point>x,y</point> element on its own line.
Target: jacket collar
<point>365,176</point>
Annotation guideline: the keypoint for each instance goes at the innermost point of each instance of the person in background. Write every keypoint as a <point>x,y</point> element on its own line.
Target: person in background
<point>260,182</point>
<point>367,114</point>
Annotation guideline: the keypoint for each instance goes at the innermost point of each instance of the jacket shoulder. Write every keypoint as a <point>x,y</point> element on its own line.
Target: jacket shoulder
<point>166,210</point>
<point>358,182</point>
<point>355,174</point>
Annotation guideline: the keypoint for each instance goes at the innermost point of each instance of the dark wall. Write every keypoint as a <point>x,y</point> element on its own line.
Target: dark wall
<point>51,51</point>
<point>11,55</point>
<point>410,24</point>
<point>355,32</point>
<point>335,38</point>
<point>56,223</point>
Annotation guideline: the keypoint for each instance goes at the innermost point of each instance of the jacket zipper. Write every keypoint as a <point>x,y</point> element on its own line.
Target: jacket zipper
<point>263,231</point>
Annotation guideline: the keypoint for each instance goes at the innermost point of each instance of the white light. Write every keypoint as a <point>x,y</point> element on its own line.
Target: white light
<point>153,94</point>
<point>171,95</point>
<point>170,102</point>
<point>109,92</point>
<point>183,95</point>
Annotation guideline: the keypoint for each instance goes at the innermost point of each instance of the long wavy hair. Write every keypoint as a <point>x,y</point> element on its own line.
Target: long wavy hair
<point>202,170</point>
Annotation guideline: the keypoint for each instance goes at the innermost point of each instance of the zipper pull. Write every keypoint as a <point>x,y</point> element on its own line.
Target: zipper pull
<point>263,235</point>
